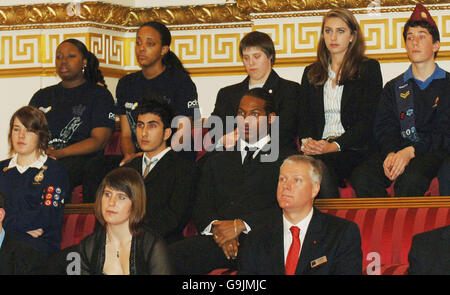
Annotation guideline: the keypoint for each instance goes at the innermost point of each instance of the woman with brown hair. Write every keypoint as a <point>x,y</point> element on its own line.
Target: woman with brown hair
<point>35,186</point>
<point>341,90</point>
<point>121,244</point>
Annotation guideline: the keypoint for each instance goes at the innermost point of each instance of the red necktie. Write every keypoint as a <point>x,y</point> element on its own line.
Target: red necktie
<point>294,251</point>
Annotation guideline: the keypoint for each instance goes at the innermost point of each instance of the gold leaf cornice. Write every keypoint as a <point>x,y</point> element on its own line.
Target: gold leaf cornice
<point>271,6</point>
<point>117,15</point>
<point>130,17</point>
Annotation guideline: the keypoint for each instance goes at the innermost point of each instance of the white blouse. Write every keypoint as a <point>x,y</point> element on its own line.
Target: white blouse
<point>332,107</point>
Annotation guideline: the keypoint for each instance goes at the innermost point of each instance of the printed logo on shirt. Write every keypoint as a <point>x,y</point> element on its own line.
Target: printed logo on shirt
<point>192,104</point>
<point>130,105</point>
<point>112,116</point>
<point>78,110</point>
<point>45,110</point>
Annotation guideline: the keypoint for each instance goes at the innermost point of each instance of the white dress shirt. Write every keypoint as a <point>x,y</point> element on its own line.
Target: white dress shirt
<point>36,164</point>
<point>332,107</point>
<point>257,146</point>
<point>154,160</point>
<point>287,235</point>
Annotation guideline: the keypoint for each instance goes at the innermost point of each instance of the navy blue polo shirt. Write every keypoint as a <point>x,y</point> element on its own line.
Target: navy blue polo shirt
<point>175,86</point>
<point>72,113</point>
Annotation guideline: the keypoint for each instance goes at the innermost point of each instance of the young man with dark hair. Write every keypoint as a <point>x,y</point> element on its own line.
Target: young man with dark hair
<point>234,190</point>
<point>170,179</point>
<point>410,125</point>
<point>258,56</point>
<point>16,257</point>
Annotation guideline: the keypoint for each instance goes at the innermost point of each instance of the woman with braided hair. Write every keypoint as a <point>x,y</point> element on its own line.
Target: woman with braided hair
<point>79,109</point>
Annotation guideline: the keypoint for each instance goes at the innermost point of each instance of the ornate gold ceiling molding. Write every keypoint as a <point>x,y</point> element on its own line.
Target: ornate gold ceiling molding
<point>128,18</point>
<point>271,6</point>
<point>117,15</point>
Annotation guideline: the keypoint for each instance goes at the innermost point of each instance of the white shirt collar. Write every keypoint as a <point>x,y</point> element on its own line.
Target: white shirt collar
<point>154,159</point>
<point>287,235</point>
<point>36,164</point>
<point>257,146</point>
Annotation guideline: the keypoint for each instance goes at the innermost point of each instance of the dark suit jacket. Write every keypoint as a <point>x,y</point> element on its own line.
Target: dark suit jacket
<point>19,258</point>
<point>358,105</point>
<point>286,96</point>
<point>170,188</point>
<point>227,190</point>
<point>327,235</point>
<point>430,252</point>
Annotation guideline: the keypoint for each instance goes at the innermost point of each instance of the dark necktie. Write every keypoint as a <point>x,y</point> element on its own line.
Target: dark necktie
<point>294,251</point>
<point>249,156</point>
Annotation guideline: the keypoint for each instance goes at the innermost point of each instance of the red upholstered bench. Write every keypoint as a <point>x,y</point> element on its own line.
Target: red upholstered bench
<point>79,222</point>
<point>387,226</point>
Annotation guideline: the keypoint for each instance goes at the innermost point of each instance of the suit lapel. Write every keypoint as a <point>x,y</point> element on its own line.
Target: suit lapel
<point>276,248</point>
<point>159,167</point>
<point>317,106</point>
<point>242,87</point>
<point>136,163</point>
<point>311,243</point>
<point>346,94</point>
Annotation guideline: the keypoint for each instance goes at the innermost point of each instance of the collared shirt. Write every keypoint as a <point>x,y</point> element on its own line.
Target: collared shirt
<point>2,236</point>
<point>437,74</point>
<point>257,146</point>
<point>255,86</point>
<point>332,107</point>
<point>287,235</point>
<point>154,160</point>
<point>36,164</point>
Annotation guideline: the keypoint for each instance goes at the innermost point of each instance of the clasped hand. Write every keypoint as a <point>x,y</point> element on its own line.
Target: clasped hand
<point>395,163</point>
<point>36,233</point>
<point>317,147</point>
<point>226,233</point>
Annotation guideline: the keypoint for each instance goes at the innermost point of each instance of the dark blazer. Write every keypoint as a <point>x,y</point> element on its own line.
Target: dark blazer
<point>327,235</point>
<point>19,258</point>
<point>430,253</point>
<point>227,190</point>
<point>358,105</point>
<point>170,188</point>
<point>286,96</point>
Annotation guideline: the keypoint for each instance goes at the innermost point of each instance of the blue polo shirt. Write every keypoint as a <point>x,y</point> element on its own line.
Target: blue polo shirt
<point>437,74</point>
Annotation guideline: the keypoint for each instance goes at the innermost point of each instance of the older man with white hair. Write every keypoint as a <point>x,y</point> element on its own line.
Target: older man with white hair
<point>299,239</point>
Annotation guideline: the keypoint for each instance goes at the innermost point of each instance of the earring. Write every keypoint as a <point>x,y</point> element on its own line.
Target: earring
<point>83,69</point>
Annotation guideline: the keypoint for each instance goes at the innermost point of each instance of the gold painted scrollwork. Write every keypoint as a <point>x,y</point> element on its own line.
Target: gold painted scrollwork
<point>112,14</point>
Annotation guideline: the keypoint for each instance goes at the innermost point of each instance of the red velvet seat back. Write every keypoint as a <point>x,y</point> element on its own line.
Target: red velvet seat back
<point>389,231</point>
<point>76,227</point>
